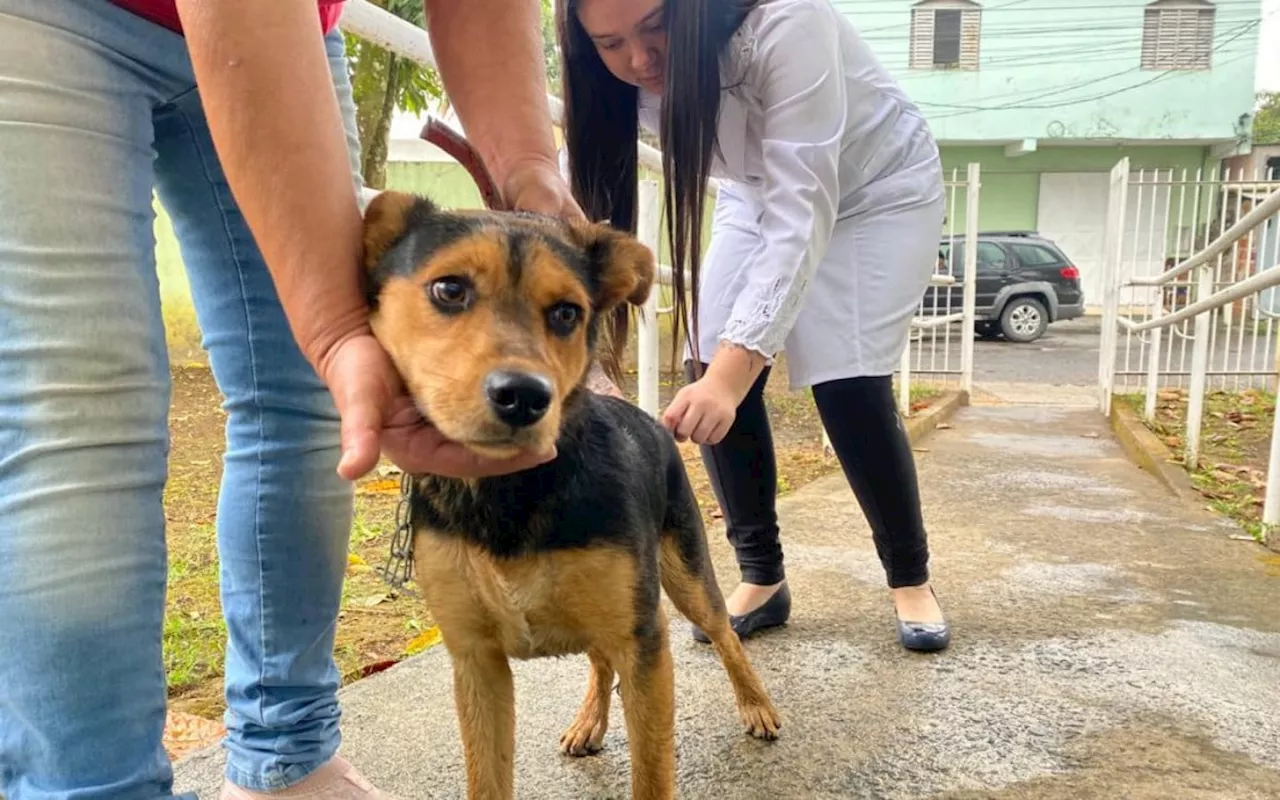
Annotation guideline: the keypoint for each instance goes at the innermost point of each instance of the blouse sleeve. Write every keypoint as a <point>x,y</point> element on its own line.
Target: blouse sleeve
<point>797,73</point>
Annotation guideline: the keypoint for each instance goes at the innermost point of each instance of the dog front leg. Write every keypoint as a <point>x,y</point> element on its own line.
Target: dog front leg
<point>485,696</point>
<point>648,704</point>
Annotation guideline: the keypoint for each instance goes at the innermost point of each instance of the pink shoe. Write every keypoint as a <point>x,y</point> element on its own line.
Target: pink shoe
<point>336,780</point>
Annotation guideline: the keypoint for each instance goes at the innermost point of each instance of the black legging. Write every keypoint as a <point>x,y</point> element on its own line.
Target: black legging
<point>867,434</point>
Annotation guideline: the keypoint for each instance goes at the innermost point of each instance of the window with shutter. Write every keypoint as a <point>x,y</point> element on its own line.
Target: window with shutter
<point>1178,35</point>
<point>946,34</point>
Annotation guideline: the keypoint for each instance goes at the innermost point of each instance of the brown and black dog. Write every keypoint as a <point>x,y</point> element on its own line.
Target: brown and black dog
<point>492,318</point>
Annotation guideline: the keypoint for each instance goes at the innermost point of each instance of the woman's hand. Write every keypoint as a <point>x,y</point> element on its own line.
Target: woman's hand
<point>703,411</point>
<point>379,415</point>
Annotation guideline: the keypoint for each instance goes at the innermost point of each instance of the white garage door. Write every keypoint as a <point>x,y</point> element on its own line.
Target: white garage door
<point>1073,213</point>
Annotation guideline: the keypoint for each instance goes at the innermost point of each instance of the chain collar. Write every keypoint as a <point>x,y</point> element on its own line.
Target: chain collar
<point>398,569</point>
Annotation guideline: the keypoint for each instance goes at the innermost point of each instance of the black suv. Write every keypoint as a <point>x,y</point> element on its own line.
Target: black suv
<point>1024,283</point>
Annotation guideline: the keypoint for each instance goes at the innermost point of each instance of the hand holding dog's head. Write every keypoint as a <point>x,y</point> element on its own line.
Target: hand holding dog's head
<point>492,317</point>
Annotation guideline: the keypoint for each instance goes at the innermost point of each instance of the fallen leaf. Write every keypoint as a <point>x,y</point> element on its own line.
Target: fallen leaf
<point>920,450</point>
<point>1090,435</point>
<point>942,426</point>
<point>423,641</point>
<point>372,669</point>
<point>357,565</point>
<point>184,733</point>
<point>372,600</point>
<point>384,486</point>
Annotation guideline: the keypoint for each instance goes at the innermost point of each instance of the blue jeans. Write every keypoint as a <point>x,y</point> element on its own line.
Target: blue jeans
<point>98,108</point>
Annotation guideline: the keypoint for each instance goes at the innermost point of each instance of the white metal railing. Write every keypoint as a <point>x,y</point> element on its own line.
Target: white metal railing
<point>941,341</point>
<point>935,339</point>
<point>1212,301</point>
<point>1174,238</point>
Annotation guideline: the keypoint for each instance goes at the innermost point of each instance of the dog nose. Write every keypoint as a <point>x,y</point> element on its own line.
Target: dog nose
<point>518,398</point>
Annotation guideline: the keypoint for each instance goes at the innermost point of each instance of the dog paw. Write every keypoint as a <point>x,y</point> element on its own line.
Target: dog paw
<point>761,720</point>
<point>583,738</point>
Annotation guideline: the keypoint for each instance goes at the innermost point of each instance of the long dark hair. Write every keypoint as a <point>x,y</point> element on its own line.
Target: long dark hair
<point>601,127</point>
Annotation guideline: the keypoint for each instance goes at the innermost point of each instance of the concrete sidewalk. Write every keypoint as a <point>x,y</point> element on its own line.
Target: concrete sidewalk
<point>1107,642</point>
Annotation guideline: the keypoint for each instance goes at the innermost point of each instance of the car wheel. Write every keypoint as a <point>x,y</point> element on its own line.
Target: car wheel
<point>1024,320</point>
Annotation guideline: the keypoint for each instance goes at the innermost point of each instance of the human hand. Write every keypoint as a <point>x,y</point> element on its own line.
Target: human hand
<point>538,186</point>
<point>703,411</point>
<point>378,415</point>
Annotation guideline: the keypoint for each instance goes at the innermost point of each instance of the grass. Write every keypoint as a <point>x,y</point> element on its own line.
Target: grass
<point>1235,440</point>
<point>376,626</point>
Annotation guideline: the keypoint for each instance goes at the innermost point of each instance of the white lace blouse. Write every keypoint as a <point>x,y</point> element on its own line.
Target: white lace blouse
<point>810,120</point>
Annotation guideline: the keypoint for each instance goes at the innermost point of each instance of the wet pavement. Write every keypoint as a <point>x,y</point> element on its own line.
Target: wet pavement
<point>1109,641</point>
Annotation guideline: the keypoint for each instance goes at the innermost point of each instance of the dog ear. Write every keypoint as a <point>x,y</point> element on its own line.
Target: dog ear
<point>386,219</point>
<point>622,266</point>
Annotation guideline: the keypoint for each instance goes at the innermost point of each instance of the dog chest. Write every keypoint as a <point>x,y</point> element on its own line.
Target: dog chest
<point>545,604</point>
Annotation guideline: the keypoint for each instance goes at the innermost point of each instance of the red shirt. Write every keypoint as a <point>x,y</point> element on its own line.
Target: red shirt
<point>165,12</point>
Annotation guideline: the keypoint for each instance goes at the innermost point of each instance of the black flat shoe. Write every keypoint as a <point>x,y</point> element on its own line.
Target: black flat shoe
<point>775,612</point>
<point>925,637</point>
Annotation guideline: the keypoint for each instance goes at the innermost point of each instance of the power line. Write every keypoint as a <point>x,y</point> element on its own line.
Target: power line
<point>988,9</point>
<point>1076,101</point>
<point>1026,102</point>
<point>1070,29</point>
<point>904,25</point>
<point>1036,56</point>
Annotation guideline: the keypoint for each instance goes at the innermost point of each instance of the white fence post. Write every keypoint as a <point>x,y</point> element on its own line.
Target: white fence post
<point>1111,277</point>
<point>648,230</point>
<point>1153,359</point>
<point>1199,368</point>
<point>969,295</point>
<point>904,380</point>
<point>1271,501</point>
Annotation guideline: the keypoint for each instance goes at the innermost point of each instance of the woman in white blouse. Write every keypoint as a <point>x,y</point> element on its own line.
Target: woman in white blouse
<point>825,233</point>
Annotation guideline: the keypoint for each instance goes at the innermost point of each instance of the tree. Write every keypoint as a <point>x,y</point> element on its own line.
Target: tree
<point>1266,120</point>
<point>383,83</point>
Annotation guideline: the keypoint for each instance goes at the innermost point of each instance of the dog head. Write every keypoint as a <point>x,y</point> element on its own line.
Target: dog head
<point>492,318</point>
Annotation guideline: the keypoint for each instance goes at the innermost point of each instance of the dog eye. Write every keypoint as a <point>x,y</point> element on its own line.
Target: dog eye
<point>563,318</point>
<point>451,294</point>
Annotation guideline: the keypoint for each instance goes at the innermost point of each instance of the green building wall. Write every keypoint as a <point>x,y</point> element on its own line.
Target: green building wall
<point>1010,190</point>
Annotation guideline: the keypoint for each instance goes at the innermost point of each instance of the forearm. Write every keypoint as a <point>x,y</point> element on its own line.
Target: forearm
<point>489,56</point>
<point>736,367</point>
<point>268,94</point>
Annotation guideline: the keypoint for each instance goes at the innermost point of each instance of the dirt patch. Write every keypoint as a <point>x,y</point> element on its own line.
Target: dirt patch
<point>1235,442</point>
<point>376,626</point>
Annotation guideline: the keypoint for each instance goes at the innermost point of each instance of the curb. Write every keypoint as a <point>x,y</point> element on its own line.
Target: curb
<point>921,425</point>
<point>1146,450</point>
